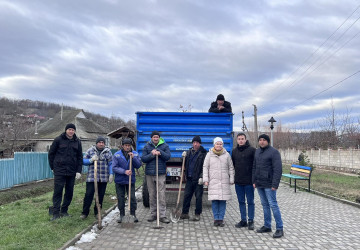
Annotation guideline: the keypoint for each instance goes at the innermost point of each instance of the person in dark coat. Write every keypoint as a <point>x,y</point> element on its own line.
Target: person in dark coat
<point>121,168</point>
<point>194,162</point>
<point>220,105</point>
<point>156,147</point>
<point>65,160</point>
<point>243,159</point>
<point>267,170</point>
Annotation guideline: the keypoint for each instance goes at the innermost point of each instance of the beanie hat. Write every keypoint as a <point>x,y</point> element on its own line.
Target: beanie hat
<point>155,133</point>
<point>127,140</point>
<point>196,138</point>
<point>70,125</point>
<point>218,139</point>
<point>265,136</point>
<point>99,139</point>
<point>220,97</point>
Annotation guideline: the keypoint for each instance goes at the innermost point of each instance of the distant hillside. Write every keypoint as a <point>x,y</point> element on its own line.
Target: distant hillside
<point>14,108</point>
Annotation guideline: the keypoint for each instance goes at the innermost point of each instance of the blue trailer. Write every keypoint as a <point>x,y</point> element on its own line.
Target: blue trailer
<point>178,130</point>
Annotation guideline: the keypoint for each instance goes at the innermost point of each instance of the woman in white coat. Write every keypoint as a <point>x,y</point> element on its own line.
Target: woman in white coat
<point>218,175</point>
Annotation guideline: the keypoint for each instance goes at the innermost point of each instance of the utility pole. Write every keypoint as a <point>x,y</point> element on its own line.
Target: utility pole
<point>255,126</point>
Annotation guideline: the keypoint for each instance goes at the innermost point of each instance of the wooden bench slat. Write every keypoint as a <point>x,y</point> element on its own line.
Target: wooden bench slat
<point>300,170</point>
<point>302,167</point>
<point>300,173</point>
<point>294,176</point>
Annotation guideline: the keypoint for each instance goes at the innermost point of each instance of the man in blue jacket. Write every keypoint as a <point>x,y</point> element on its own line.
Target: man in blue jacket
<point>156,147</point>
<point>121,168</point>
<point>266,177</point>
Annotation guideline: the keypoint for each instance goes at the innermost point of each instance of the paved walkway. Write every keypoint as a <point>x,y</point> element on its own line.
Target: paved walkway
<point>310,222</point>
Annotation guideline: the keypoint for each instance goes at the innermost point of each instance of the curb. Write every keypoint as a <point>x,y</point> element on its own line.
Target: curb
<point>78,236</point>
<point>351,203</point>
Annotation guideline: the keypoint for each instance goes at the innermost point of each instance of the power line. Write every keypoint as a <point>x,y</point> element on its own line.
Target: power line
<point>308,58</point>
<point>319,93</point>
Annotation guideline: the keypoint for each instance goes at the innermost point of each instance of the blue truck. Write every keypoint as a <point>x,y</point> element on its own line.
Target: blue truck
<point>178,129</point>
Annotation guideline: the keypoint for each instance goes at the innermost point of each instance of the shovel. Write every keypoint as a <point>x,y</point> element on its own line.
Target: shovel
<point>128,220</point>
<point>176,213</point>
<point>157,195</point>
<point>97,196</point>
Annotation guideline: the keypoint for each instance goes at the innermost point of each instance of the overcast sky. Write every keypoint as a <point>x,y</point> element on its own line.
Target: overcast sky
<point>118,57</point>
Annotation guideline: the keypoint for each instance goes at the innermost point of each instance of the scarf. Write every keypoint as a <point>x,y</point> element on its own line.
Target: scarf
<point>218,153</point>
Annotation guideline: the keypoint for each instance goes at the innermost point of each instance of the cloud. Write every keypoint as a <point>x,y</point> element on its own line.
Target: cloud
<point>119,57</point>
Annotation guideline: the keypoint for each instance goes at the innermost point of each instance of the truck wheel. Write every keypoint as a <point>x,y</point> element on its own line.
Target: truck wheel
<point>145,194</point>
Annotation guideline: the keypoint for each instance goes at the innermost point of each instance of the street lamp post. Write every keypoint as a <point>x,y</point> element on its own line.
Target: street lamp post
<point>272,120</point>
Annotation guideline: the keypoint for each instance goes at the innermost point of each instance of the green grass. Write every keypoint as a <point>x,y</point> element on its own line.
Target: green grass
<point>331,183</point>
<point>24,224</point>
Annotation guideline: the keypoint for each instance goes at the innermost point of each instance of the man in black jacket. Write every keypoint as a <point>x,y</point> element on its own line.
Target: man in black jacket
<point>65,159</point>
<point>194,162</point>
<point>243,159</point>
<point>220,105</point>
<point>266,177</point>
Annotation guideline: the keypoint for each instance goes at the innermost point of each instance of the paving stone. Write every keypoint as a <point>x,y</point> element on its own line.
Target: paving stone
<point>310,222</point>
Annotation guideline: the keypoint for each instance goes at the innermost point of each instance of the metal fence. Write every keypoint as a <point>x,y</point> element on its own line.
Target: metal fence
<point>25,167</point>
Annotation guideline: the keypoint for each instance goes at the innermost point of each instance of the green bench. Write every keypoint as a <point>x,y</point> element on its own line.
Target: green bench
<point>298,172</point>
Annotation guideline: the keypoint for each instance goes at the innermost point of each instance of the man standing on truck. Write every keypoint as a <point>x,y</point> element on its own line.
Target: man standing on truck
<point>220,105</point>
<point>65,160</point>
<point>267,170</point>
<point>156,147</point>
<point>194,162</point>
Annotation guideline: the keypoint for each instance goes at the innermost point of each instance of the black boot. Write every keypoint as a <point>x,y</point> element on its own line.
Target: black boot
<point>278,233</point>
<point>120,219</point>
<point>242,223</point>
<point>251,225</point>
<point>55,217</point>
<point>135,219</point>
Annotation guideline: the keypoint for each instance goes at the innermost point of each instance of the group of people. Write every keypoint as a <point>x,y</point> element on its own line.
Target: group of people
<point>248,168</point>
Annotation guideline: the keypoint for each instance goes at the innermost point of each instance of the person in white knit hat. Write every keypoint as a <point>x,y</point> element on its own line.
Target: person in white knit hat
<point>218,175</point>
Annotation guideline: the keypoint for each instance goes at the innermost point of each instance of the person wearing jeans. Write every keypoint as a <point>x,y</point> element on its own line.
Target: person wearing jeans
<point>267,170</point>
<point>218,175</point>
<point>243,159</point>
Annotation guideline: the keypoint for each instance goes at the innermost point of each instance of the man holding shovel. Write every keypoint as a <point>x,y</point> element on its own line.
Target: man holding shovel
<point>122,170</point>
<point>156,148</point>
<point>102,154</point>
<point>194,162</point>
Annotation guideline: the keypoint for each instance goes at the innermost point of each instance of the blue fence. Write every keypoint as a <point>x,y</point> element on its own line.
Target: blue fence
<point>25,167</point>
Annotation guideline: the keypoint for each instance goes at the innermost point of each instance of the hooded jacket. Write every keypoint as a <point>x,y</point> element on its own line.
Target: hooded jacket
<point>197,172</point>
<point>243,160</point>
<point>65,155</point>
<point>150,159</point>
<point>267,168</point>
<point>218,171</point>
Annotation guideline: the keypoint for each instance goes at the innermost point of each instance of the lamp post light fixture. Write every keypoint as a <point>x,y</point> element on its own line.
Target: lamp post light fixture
<point>272,120</point>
